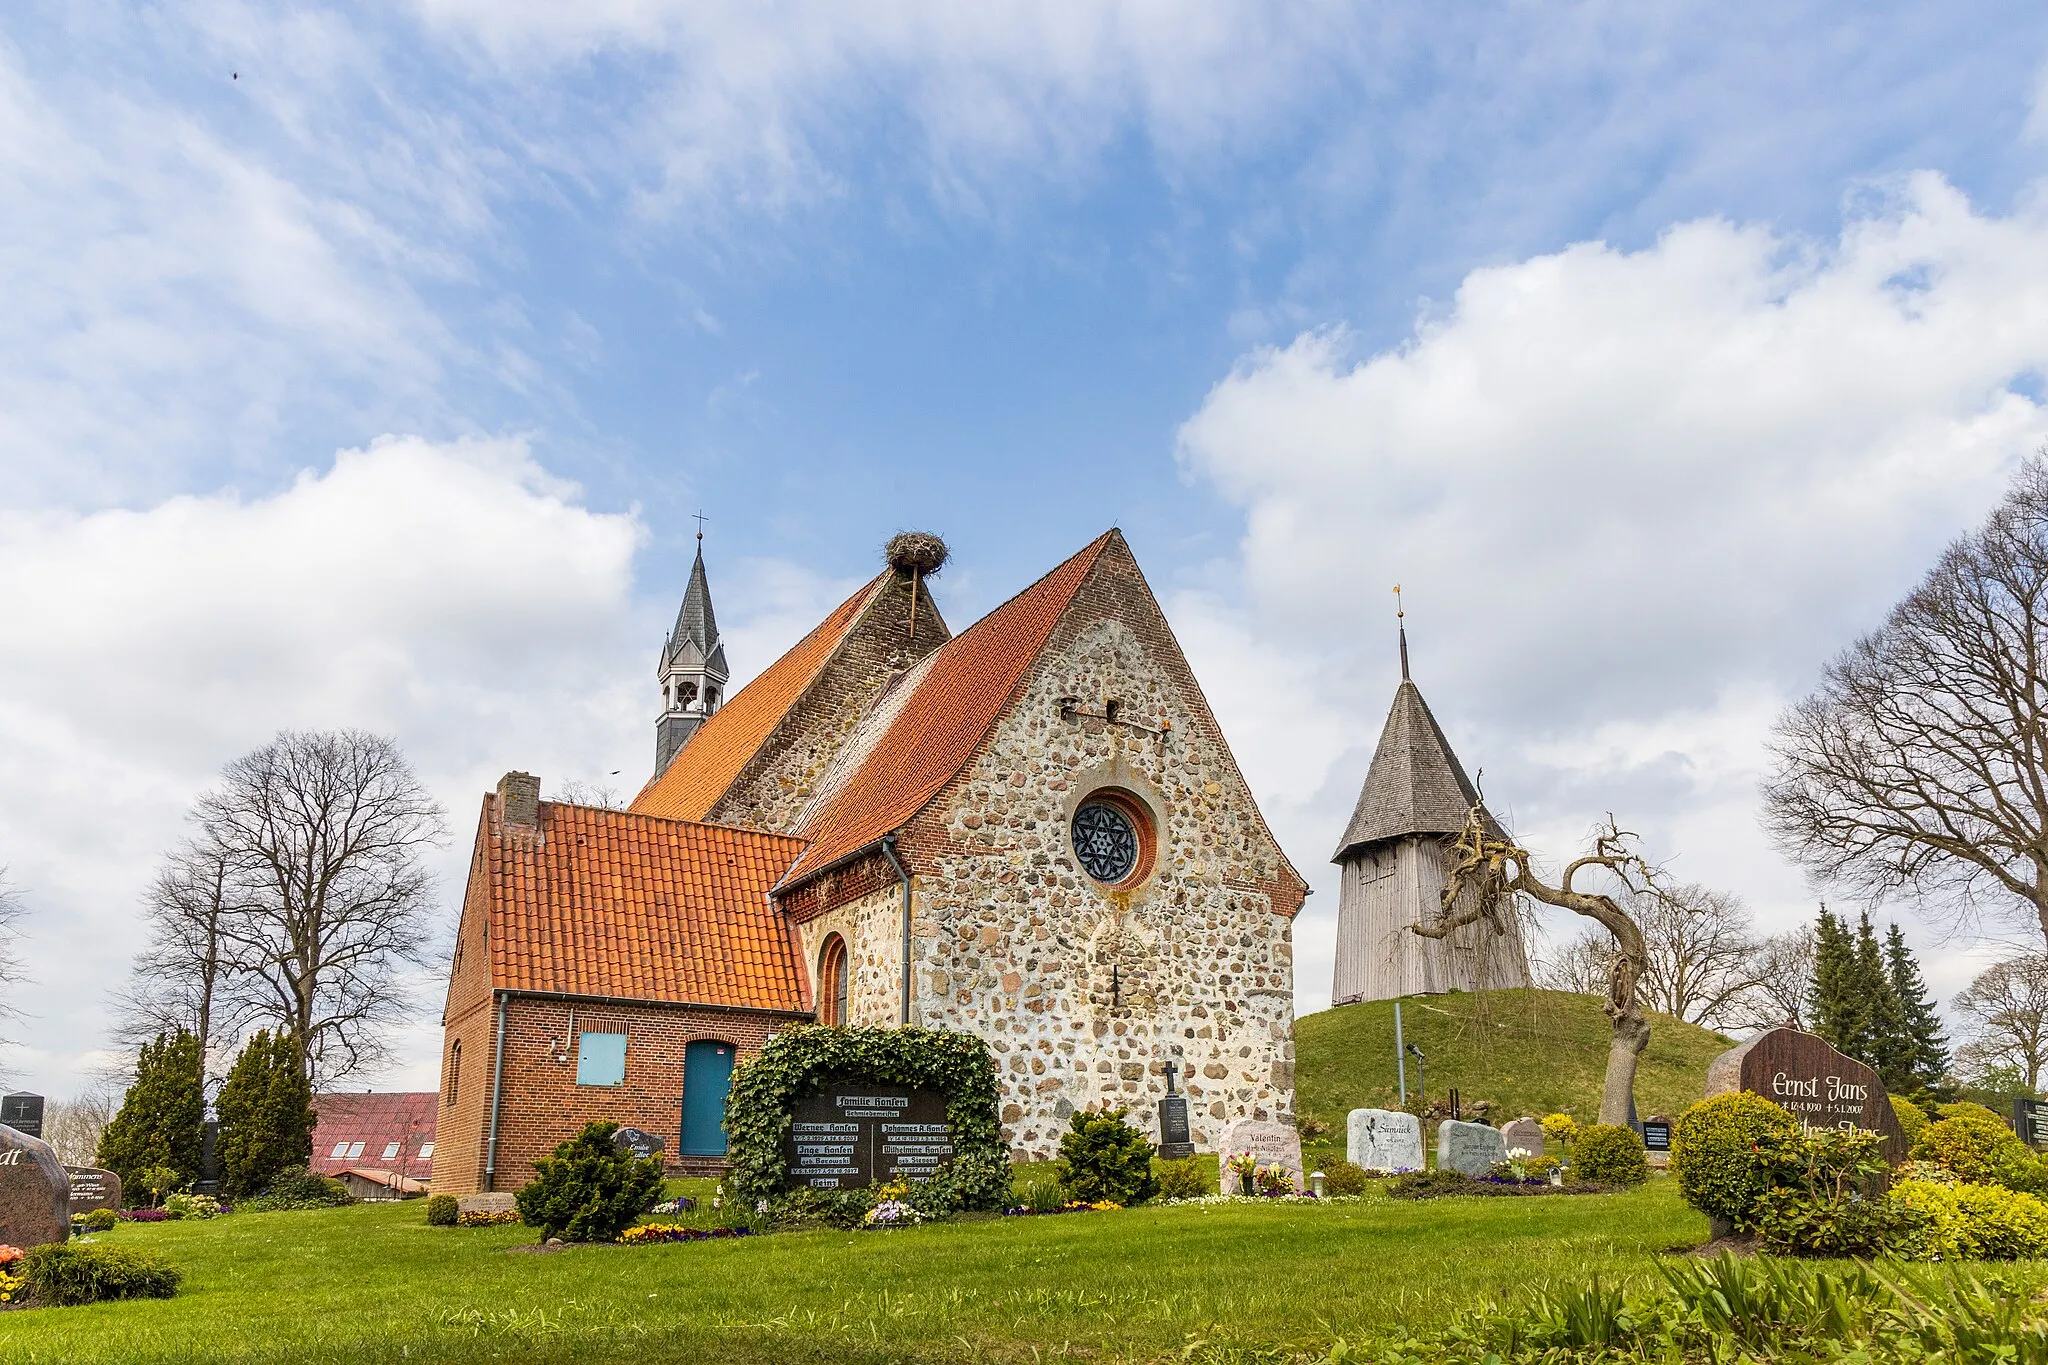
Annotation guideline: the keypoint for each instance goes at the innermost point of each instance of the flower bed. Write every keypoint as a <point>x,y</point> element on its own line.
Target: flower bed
<point>676,1232</point>
<point>486,1218</point>
<point>11,1278</point>
<point>1072,1206</point>
<point>143,1215</point>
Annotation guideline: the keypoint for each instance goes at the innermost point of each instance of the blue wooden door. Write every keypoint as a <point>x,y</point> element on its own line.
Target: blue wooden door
<point>707,1075</point>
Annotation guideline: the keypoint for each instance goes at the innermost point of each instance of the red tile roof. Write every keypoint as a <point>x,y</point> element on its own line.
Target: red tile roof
<point>709,764</point>
<point>614,903</point>
<point>376,1120</point>
<point>937,729</point>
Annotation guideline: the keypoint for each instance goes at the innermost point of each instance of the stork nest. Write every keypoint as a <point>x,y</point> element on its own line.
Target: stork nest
<point>915,552</point>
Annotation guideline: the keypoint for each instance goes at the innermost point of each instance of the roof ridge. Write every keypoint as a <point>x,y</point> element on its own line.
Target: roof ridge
<point>676,820</point>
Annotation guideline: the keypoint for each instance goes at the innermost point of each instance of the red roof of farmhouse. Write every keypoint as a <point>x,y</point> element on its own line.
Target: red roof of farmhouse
<point>375,1120</point>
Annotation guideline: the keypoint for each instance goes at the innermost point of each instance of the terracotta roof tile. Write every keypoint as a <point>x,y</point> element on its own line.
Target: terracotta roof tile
<point>375,1119</point>
<point>936,730</point>
<point>617,903</point>
<point>712,760</point>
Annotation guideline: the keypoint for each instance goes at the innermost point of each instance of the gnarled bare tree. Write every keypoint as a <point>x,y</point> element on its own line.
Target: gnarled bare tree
<point>323,832</point>
<point>1921,760</point>
<point>1782,975</point>
<point>1497,870</point>
<point>2005,1011</point>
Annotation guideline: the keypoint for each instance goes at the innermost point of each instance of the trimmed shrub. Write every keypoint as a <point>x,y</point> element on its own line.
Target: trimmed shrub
<point>1560,1128</point>
<point>588,1191</point>
<point>1102,1158</point>
<point>1344,1177</point>
<point>100,1220</point>
<point>193,1206</point>
<point>65,1274</point>
<point>1974,1143</point>
<point>1543,1167</point>
<point>1714,1148</point>
<point>1951,1222</point>
<point>299,1189</point>
<point>441,1210</point>
<point>799,1060</point>
<point>1611,1154</point>
<point>1183,1178</point>
<point>1912,1118</point>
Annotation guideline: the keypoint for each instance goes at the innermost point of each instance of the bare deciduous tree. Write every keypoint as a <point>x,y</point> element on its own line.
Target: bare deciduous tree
<point>1699,952</point>
<point>182,979</point>
<point>10,965</point>
<point>2006,1012</point>
<point>1921,760</point>
<point>73,1126</point>
<point>1583,966</point>
<point>323,833</point>
<point>1498,870</point>
<point>1782,976</point>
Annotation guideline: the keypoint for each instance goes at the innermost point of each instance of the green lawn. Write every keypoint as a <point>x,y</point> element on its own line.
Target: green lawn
<point>1527,1052</point>
<point>373,1283</point>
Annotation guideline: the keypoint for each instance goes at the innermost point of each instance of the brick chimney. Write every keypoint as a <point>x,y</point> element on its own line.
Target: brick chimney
<point>519,801</point>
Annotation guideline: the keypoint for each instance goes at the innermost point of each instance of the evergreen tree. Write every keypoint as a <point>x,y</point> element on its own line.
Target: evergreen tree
<point>266,1115</point>
<point>1887,1044</point>
<point>1929,1057</point>
<point>1840,1011</point>
<point>161,1115</point>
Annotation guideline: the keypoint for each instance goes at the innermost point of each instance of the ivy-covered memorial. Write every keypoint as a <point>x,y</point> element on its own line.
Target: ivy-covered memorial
<point>821,1114</point>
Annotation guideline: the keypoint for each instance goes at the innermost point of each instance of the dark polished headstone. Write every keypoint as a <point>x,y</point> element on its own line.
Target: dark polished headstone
<point>638,1141</point>
<point>93,1188</point>
<point>1657,1135</point>
<point>1821,1087</point>
<point>1176,1138</point>
<point>35,1194</point>
<point>2030,1121</point>
<point>22,1112</point>
<point>851,1135</point>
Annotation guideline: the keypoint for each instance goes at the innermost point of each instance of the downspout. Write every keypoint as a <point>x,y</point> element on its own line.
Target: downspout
<point>497,1091</point>
<point>889,852</point>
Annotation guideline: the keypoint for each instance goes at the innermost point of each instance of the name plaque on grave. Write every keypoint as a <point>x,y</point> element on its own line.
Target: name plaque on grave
<point>1818,1085</point>
<point>93,1188</point>
<point>848,1136</point>
<point>638,1142</point>
<point>22,1112</point>
<point>1175,1138</point>
<point>2030,1121</point>
<point>1657,1135</point>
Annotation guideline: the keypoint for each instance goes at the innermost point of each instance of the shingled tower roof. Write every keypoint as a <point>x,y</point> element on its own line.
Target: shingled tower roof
<point>695,638</point>
<point>1415,785</point>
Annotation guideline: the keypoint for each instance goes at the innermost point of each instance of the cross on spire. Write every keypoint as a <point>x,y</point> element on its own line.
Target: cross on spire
<point>701,519</point>
<point>1401,624</point>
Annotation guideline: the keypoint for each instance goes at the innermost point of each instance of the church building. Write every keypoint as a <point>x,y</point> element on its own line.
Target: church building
<point>1033,831</point>
<point>1396,858</point>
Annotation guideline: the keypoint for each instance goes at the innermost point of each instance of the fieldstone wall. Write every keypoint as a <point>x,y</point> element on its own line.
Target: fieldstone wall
<point>1084,991</point>
<point>872,925</point>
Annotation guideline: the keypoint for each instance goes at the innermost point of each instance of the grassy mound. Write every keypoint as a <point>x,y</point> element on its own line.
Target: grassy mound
<point>1528,1052</point>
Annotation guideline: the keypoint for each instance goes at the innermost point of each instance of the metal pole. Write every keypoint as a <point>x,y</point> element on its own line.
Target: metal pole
<point>1400,1057</point>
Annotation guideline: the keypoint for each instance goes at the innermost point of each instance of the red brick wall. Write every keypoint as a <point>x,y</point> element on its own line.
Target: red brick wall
<point>543,1106</point>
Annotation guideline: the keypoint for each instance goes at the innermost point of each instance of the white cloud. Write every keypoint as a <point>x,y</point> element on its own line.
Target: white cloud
<point>455,596</point>
<point>1636,499</point>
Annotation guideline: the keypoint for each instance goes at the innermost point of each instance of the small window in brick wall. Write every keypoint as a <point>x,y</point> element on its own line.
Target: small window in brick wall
<point>601,1059</point>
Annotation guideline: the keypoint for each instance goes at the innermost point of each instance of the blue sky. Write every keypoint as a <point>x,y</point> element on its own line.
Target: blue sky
<point>1656,348</point>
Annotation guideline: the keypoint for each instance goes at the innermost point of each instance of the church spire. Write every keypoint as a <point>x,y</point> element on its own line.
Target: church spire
<point>1401,625</point>
<point>692,670</point>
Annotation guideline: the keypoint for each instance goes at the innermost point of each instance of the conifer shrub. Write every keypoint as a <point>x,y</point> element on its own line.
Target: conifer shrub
<point>441,1210</point>
<point>589,1191</point>
<point>266,1115</point>
<point>1610,1154</point>
<point>1182,1178</point>
<point>160,1119</point>
<point>1714,1153</point>
<point>1104,1158</point>
<point>1345,1178</point>
<point>65,1274</point>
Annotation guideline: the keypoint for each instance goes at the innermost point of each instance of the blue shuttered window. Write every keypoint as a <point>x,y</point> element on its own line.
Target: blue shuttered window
<point>601,1059</point>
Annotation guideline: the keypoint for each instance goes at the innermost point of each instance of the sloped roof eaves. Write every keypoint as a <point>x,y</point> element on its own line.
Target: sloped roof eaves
<point>942,725</point>
<point>720,750</point>
<point>1415,784</point>
<point>624,906</point>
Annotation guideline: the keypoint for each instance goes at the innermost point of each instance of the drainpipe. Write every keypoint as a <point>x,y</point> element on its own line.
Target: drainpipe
<point>497,1090</point>
<point>889,852</point>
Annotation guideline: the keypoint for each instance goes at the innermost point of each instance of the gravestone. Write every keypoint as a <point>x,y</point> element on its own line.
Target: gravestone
<point>2030,1121</point>
<point>35,1194</point>
<point>1524,1135</point>
<point>1383,1140</point>
<point>638,1141</point>
<point>1468,1147</point>
<point>22,1112</point>
<point>92,1188</point>
<point>1818,1085</point>
<point>850,1135</point>
<point>501,1201</point>
<point>1176,1138</point>
<point>1274,1144</point>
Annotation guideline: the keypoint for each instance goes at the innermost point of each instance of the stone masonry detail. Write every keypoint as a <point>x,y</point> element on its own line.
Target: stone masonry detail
<point>1086,992</point>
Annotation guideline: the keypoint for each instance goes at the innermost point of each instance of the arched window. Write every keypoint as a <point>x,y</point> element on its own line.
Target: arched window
<point>454,1071</point>
<point>832,981</point>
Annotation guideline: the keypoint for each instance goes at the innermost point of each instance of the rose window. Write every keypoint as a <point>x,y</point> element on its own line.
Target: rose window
<point>1105,841</point>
